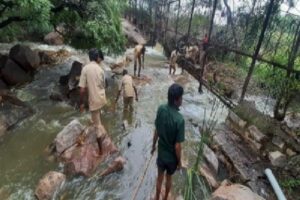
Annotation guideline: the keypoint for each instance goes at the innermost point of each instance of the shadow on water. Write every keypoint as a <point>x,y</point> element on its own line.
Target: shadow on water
<point>22,157</point>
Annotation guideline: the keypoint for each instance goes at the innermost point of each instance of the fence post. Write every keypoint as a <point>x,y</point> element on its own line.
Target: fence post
<point>261,38</point>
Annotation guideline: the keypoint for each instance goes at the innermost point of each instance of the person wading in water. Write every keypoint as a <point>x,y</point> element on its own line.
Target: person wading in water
<point>129,91</point>
<point>169,131</point>
<point>139,54</point>
<point>92,79</point>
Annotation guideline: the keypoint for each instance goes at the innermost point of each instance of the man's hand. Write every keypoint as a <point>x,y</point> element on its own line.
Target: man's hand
<point>81,108</point>
<point>153,150</point>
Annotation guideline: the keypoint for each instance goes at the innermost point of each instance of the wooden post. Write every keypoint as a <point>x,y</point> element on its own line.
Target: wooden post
<point>261,38</point>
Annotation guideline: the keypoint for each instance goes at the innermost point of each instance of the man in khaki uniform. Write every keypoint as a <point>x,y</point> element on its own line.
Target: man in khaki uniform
<point>139,54</point>
<point>173,59</point>
<point>129,90</point>
<point>92,79</point>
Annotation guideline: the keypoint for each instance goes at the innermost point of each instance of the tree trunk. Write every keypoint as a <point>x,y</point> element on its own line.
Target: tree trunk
<point>230,20</point>
<point>190,21</point>
<point>261,38</point>
<point>167,21</point>
<point>250,15</point>
<point>177,19</point>
<point>287,94</point>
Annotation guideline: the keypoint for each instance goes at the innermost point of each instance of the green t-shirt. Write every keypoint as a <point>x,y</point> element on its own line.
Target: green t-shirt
<point>169,125</point>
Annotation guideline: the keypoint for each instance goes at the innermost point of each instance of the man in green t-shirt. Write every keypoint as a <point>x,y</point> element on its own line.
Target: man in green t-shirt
<point>169,131</point>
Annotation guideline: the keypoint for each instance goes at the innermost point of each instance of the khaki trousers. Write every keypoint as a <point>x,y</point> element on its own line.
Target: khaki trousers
<point>96,119</point>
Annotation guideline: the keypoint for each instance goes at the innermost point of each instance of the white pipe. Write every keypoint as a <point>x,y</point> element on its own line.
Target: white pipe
<point>275,185</point>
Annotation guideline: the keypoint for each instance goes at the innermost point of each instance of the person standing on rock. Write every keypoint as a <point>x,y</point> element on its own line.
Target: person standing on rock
<point>129,91</point>
<point>139,54</point>
<point>92,79</point>
<point>169,131</point>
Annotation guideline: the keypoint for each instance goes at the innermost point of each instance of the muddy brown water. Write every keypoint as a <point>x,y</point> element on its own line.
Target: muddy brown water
<point>22,150</point>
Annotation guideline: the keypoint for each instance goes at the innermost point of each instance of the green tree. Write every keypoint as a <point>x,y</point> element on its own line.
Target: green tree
<point>86,23</point>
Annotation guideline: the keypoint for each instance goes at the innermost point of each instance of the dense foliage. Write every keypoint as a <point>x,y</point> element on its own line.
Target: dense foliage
<point>85,24</point>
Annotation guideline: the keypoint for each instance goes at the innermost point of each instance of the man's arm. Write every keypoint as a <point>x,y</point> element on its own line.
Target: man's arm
<point>178,154</point>
<point>155,137</point>
<point>82,95</point>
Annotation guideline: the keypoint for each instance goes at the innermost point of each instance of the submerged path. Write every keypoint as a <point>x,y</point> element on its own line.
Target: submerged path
<point>22,157</point>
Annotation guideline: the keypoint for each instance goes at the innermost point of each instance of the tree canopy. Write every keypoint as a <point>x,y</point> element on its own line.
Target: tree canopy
<point>85,24</point>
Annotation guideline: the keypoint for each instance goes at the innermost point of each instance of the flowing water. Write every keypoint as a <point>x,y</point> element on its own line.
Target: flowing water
<point>22,151</point>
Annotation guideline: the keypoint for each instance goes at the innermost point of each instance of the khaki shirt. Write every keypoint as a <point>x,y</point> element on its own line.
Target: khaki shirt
<point>127,86</point>
<point>173,58</point>
<point>92,77</point>
<point>138,50</point>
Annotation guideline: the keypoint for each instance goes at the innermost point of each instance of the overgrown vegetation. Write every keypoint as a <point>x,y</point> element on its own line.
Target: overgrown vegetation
<point>84,24</point>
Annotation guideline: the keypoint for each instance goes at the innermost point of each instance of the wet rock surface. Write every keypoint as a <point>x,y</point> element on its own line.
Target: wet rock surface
<point>13,74</point>
<point>68,136</point>
<point>210,177</point>
<point>244,160</point>
<point>54,38</point>
<point>12,111</point>
<point>26,58</point>
<point>49,184</point>
<point>77,148</point>
<point>235,192</point>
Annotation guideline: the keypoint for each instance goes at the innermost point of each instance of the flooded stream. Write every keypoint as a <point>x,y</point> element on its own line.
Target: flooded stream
<point>22,151</point>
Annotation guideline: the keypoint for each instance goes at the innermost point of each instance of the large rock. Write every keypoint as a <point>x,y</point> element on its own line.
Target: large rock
<point>3,59</point>
<point>3,85</point>
<point>13,74</point>
<point>72,78</point>
<point>49,184</point>
<point>68,136</point>
<point>115,166</point>
<point>237,120</point>
<point>209,176</point>
<point>29,60</point>
<point>235,192</point>
<point>12,111</point>
<point>211,158</point>
<point>256,134</point>
<point>78,149</point>
<point>277,158</point>
<point>74,75</point>
<point>53,57</point>
<point>132,34</point>
<point>293,166</point>
<point>83,158</point>
<point>54,38</point>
